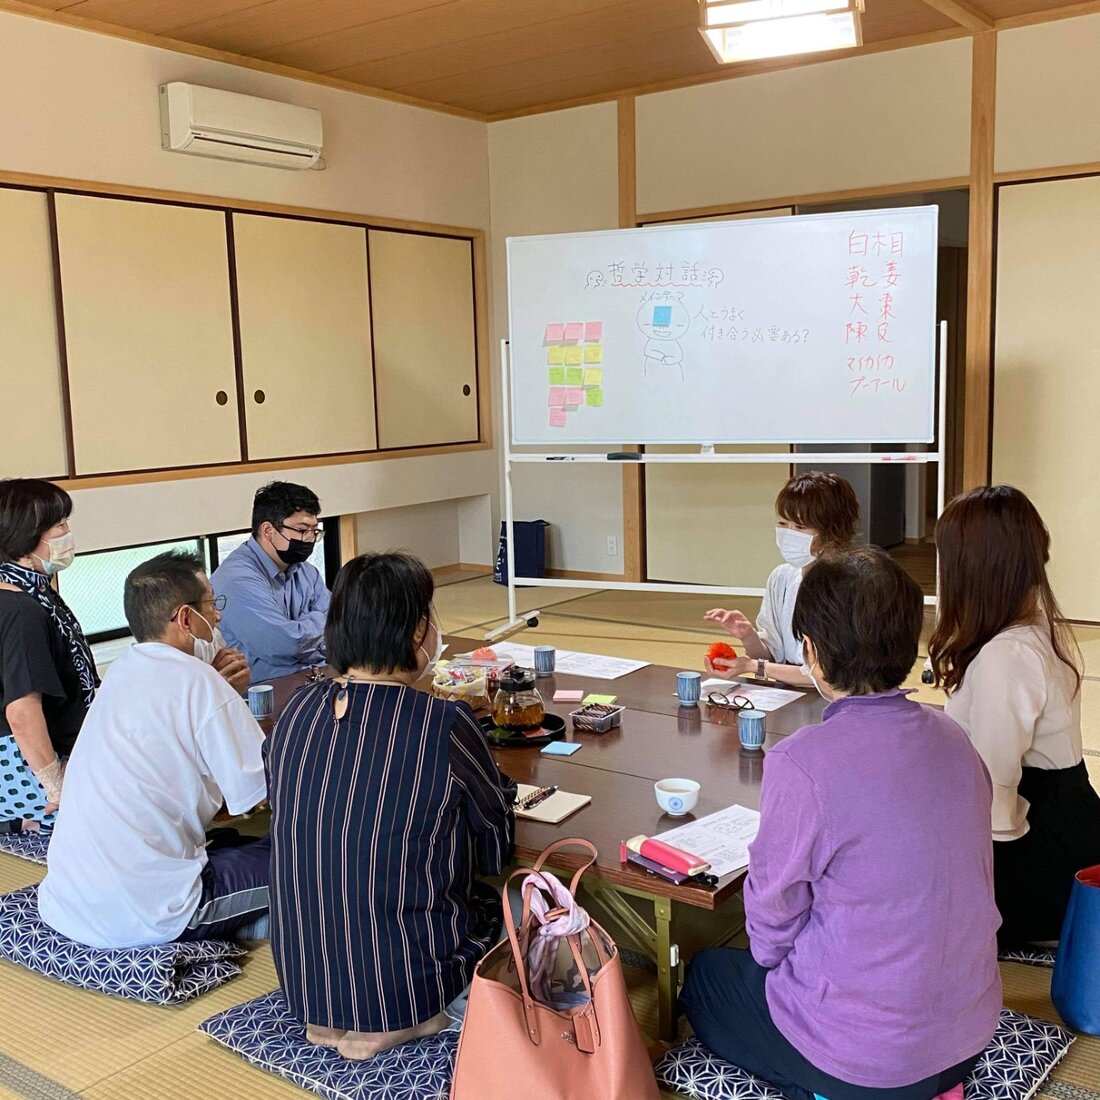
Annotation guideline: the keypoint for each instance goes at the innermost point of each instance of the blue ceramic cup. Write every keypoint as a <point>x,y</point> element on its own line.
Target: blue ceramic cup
<point>688,688</point>
<point>545,659</point>
<point>750,728</point>
<point>261,701</point>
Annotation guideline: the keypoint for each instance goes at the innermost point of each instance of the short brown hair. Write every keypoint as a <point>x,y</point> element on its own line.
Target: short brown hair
<point>823,502</point>
<point>864,614</point>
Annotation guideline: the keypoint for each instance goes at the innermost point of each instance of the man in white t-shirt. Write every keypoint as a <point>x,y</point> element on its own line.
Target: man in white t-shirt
<point>164,743</point>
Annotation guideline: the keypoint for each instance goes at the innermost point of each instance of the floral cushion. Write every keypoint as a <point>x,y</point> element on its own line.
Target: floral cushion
<point>264,1033</point>
<point>161,975</point>
<point>32,846</point>
<point>1019,1058</point>
<point>1031,956</point>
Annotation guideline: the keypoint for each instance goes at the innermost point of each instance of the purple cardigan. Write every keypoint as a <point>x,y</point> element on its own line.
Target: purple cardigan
<point>870,892</point>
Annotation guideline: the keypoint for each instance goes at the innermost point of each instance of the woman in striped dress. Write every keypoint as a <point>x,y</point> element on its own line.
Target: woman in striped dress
<point>385,804</point>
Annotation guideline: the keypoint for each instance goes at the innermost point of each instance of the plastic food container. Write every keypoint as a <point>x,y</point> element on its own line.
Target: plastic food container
<point>597,718</point>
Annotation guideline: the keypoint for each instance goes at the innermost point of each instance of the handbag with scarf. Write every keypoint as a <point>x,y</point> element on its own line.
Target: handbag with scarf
<point>549,1013</point>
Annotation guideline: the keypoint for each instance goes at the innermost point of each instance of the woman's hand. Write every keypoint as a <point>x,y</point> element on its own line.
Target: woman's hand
<point>739,666</point>
<point>732,622</point>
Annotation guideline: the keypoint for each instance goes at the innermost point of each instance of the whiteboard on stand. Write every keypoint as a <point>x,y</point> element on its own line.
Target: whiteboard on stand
<point>813,329</point>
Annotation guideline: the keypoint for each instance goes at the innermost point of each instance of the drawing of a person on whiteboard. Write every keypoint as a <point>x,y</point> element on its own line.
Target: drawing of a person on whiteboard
<point>664,321</point>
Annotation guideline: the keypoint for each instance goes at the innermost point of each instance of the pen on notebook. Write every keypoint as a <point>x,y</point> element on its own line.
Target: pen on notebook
<point>535,798</point>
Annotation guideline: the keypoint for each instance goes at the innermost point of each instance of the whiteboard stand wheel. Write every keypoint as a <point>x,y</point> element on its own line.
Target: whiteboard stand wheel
<point>533,621</point>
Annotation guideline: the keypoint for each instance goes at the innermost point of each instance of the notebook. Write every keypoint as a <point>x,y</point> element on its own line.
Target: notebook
<point>553,809</point>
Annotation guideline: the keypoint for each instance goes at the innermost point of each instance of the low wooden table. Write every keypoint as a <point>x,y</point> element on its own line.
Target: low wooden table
<point>658,739</point>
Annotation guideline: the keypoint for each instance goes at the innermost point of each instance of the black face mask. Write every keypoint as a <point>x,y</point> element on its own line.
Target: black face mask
<point>297,551</point>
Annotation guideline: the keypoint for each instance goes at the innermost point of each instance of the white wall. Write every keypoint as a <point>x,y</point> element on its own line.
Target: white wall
<point>558,173</point>
<point>83,106</point>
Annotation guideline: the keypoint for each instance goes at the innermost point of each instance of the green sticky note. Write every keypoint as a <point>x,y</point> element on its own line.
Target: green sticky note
<point>555,354</point>
<point>593,397</point>
<point>574,376</point>
<point>606,700</point>
<point>557,376</point>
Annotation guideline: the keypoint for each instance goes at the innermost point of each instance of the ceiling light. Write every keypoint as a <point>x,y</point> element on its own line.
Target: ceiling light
<point>754,29</point>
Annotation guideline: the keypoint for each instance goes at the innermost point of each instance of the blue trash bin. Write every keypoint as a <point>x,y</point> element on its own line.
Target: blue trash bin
<point>530,551</point>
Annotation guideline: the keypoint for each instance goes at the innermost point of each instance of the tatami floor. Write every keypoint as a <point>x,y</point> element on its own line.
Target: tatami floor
<point>57,1042</point>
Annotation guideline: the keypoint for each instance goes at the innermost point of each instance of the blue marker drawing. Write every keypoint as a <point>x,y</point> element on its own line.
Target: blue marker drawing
<point>662,315</point>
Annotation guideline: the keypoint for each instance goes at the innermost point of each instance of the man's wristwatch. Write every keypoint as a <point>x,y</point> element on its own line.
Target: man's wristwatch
<point>760,667</point>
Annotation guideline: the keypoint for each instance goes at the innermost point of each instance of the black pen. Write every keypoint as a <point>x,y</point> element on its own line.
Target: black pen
<point>538,798</point>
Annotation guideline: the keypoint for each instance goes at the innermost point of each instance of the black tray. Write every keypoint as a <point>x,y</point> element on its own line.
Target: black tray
<point>553,730</point>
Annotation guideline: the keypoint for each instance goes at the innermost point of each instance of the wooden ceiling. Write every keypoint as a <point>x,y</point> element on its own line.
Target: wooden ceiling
<point>495,58</point>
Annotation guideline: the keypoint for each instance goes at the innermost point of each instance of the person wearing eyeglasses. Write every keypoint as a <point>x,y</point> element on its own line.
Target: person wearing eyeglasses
<point>277,600</point>
<point>166,742</point>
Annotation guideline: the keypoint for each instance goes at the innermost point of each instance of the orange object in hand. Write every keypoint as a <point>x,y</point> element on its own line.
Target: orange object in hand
<point>721,651</point>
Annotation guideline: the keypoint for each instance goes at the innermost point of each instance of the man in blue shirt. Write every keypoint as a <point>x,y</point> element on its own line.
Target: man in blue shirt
<point>276,601</point>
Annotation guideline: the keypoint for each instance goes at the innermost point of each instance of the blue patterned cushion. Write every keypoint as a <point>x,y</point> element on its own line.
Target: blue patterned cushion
<point>162,975</point>
<point>264,1033</point>
<point>1031,956</point>
<point>1017,1061</point>
<point>32,846</point>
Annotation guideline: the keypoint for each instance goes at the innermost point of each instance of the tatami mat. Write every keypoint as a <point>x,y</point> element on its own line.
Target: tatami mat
<point>59,1042</point>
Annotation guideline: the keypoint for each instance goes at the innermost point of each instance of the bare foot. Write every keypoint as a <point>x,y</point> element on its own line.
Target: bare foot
<point>366,1044</point>
<point>323,1036</point>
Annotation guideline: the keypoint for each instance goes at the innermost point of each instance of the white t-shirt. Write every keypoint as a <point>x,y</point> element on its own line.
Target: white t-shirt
<point>1019,707</point>
<point>773,624</point>
<point>165,740</point>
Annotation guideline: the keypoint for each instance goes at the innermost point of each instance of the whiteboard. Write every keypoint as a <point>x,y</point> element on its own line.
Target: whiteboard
<point>813,329</point>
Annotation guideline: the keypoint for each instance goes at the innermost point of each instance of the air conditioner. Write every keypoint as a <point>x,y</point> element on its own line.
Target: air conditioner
<point>211,123</point>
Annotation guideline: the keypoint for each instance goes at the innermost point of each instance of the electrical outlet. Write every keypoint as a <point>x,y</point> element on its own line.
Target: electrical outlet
<point>612,546</point>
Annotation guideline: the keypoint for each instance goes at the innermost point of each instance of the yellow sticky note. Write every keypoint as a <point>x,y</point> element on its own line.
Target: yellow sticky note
<point>574,376</point>
<point>555,354</point>
<point>574,354</point>
<point>593,353</point>
<point>593,376</point>
<point>557,376</point>
<point>606,700</point>
<point>593,398</point>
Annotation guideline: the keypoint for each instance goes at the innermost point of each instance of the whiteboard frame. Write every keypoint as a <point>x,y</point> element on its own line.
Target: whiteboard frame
<point>677,226</point>
<point>706,456</point>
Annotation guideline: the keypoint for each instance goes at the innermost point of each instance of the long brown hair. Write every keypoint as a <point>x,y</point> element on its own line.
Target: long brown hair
<point>993,552</point>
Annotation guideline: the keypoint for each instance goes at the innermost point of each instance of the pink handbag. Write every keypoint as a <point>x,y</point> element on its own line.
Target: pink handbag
<point>513,1044</point>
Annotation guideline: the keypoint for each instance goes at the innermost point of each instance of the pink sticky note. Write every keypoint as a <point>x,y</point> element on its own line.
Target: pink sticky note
<point>574,395</point>
<point>563,696</point>
<point>557,396</point>
<point>557,418</point>
<point>574,331</point>
<point>555,333</point>
<point>593,330</point>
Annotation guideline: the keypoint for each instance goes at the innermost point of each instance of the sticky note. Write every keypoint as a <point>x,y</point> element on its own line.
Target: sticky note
<point>593,397</point>
<point>574,355</point>
<point>557,376</point>
<point>593,330</point>
<point>557,395</point>
<point>561,748</point>
<point>593,353</point>
<point>574,395</point>
<point>555,333</point>
<point>575,330</point>
<point>557,418</point>
<point>574,376</point>
<point>662,315</point>
<point>593,376</point>
<point>607,700</point>
<point>563,695</point>
<point>555,353</point>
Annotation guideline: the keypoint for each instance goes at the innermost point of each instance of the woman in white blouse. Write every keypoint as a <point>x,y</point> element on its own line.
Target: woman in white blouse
<point>815,513</point>
<point>1011,671</point>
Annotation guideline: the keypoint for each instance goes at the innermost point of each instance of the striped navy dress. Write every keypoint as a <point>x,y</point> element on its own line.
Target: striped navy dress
<point>380,820</point>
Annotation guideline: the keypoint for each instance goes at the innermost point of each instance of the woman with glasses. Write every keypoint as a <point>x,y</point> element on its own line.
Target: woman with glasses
<point>385,804</point>
<point>816,513</point>
<point>47,674</point>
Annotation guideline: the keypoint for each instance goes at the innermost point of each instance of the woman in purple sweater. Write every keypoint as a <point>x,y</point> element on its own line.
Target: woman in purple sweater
<point>869,901</point>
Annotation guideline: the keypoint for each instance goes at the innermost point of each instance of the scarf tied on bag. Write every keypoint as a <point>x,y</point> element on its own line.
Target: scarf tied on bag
<point>552,925</point>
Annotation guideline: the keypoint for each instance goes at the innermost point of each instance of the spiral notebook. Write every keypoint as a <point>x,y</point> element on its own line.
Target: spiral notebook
<point>556,808</point>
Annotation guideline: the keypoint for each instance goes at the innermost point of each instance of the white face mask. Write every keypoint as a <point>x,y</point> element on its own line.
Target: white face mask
<point>207,651</point>
<point>429,668</point>
<point>795,546</point>
<point>62,553</point>
<point>813,679</point>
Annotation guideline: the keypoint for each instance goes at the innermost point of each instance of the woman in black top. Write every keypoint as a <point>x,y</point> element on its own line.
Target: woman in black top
<point>385,803</point>
<point>47,674</point>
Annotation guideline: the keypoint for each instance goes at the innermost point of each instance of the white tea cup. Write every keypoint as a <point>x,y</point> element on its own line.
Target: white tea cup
<point>676,796</point>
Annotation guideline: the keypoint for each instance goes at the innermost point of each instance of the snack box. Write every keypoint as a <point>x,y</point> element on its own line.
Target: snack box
<point>596,718</point>
<point>492,666</point>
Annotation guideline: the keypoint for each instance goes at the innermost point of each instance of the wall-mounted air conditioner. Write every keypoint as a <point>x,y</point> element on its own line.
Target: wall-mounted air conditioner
<point>211,123</point>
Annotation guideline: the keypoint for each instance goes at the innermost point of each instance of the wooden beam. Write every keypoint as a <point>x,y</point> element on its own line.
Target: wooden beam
<point>349,539</point>
<point>966,15</point>
<point>633,474</point>
<point>978,396</point>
